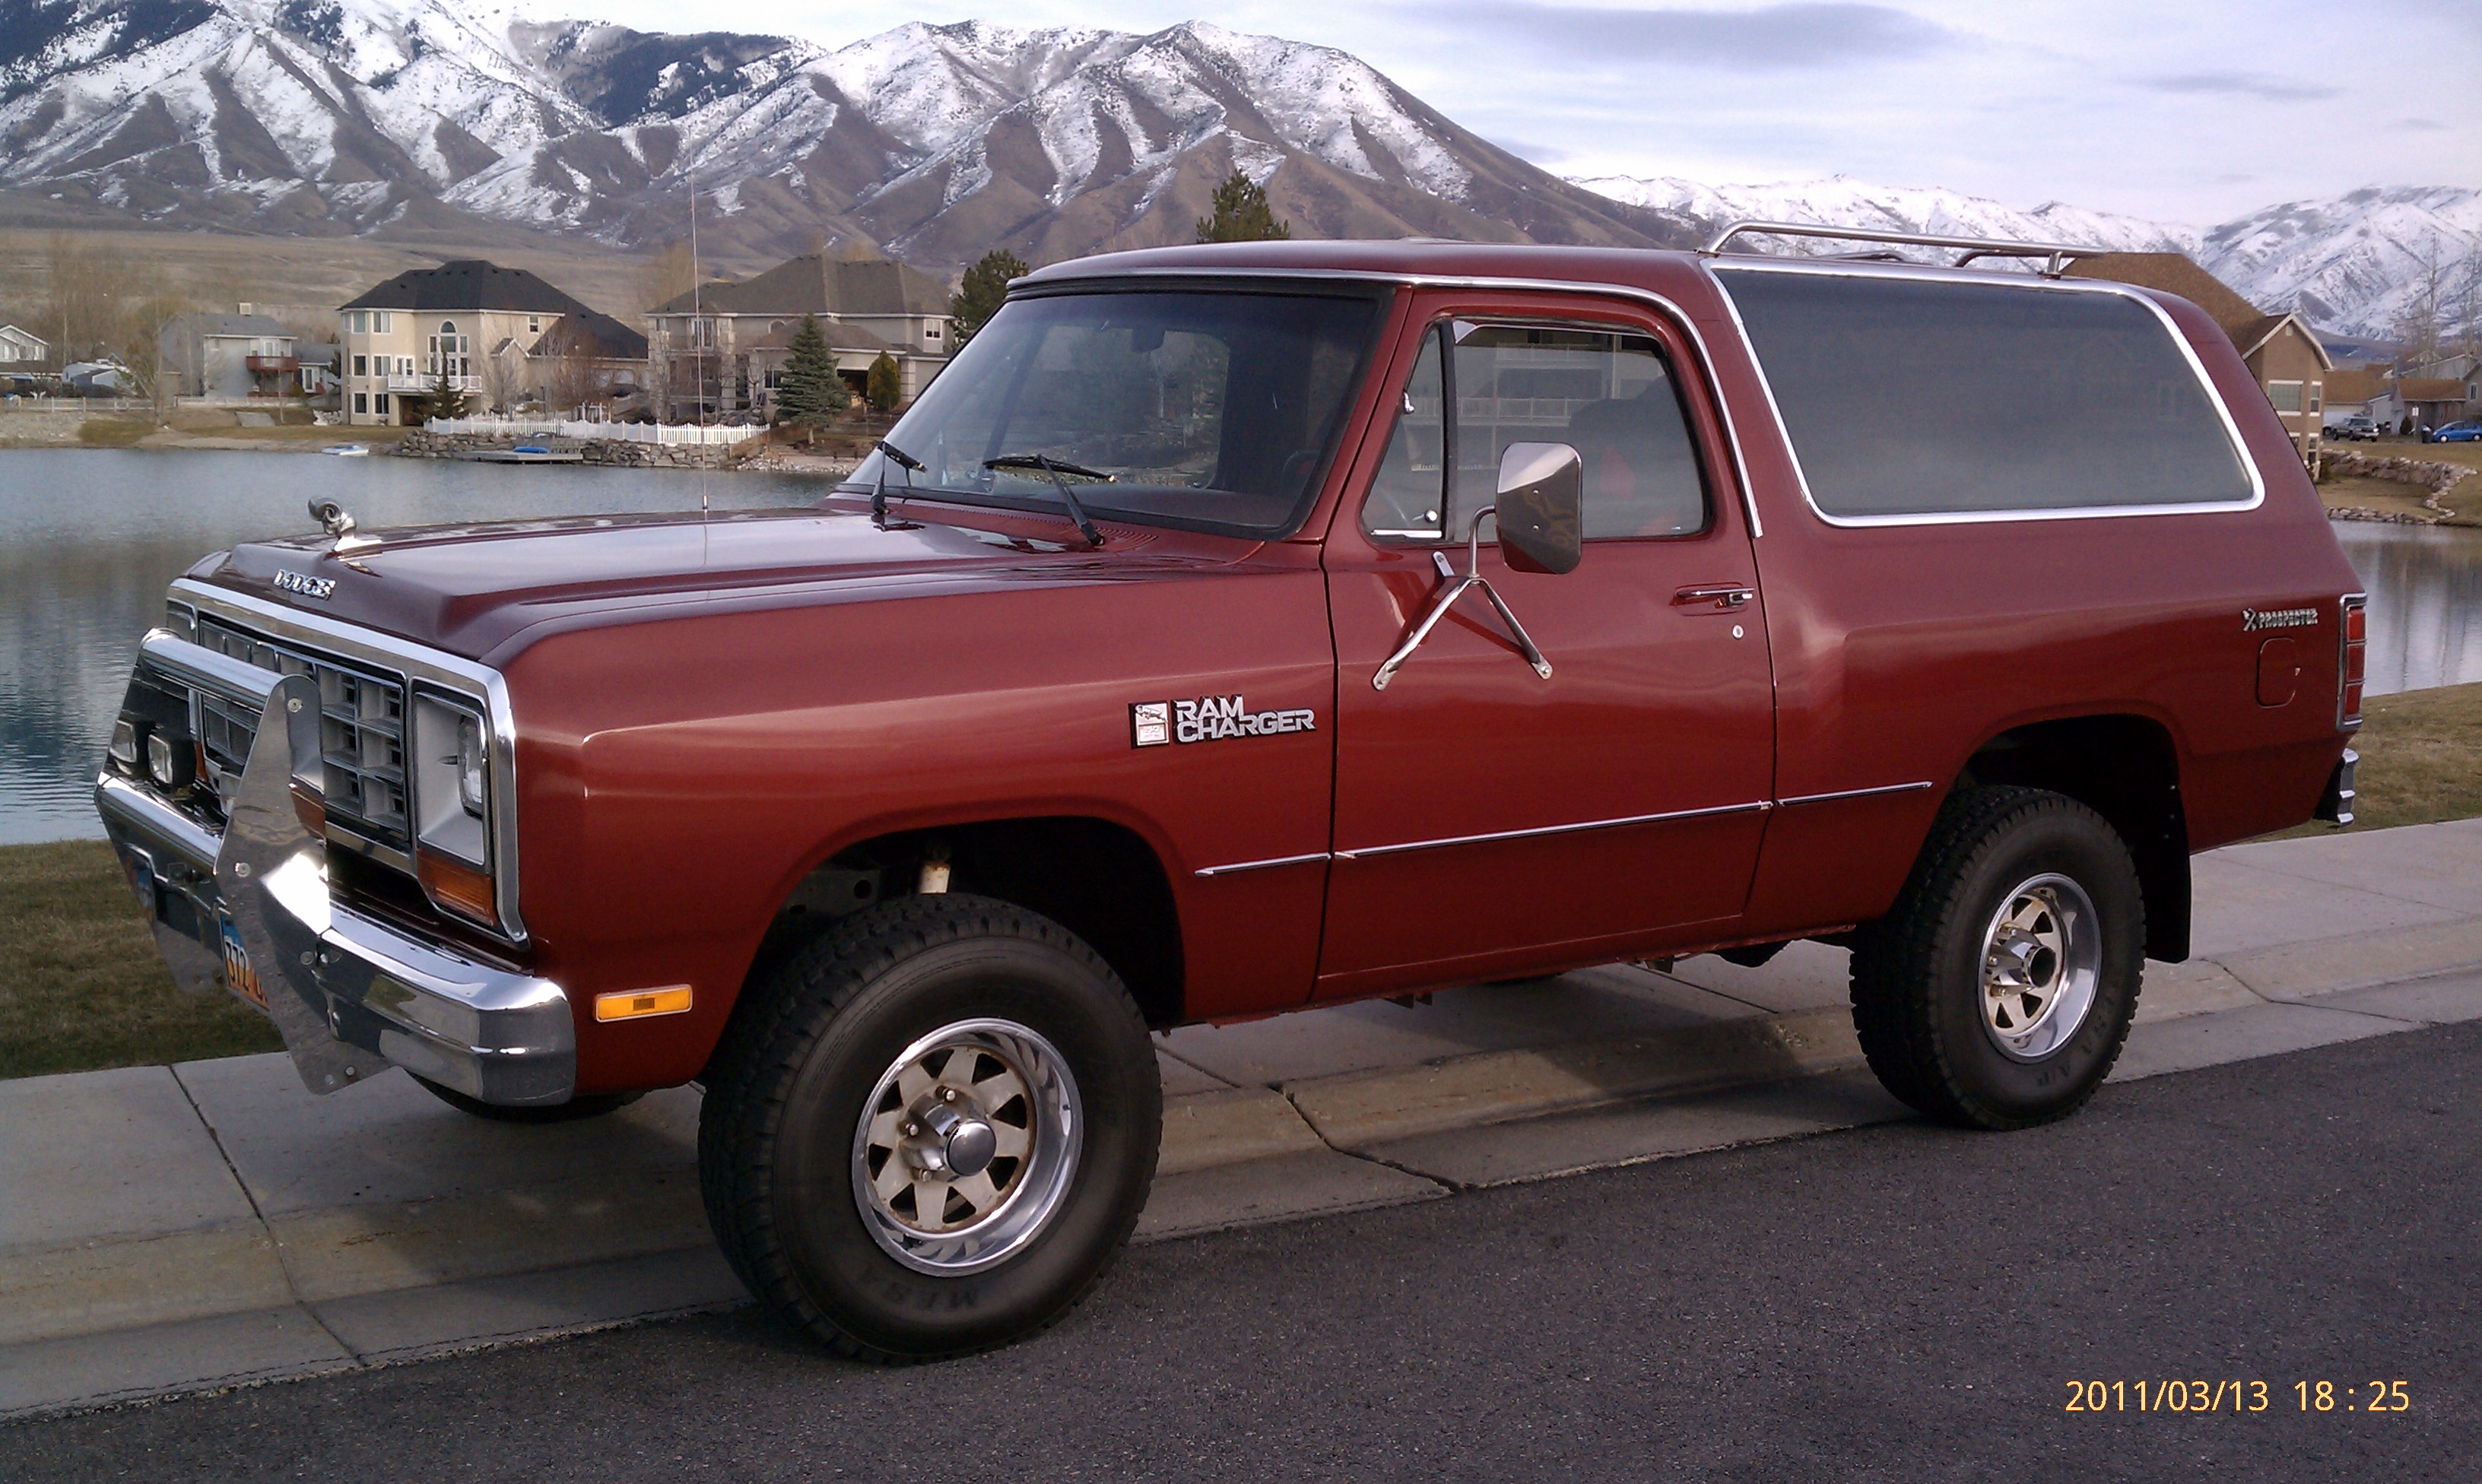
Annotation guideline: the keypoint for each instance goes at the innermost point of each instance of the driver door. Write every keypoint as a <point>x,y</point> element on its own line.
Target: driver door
<point>1489,820</point>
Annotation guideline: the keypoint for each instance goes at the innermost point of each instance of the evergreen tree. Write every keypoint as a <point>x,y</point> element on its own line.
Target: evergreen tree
<point>811,389</point>
<point>882,385</point>
<point>443,400</point>
<point>978,298</point>
<point>1241,213</point>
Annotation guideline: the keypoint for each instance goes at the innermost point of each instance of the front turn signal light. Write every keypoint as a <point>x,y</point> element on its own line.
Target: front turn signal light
<point>460,888</point>
<point>635,1004</point>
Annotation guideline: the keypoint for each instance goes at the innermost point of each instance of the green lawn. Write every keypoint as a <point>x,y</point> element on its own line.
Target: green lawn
<point>82,987</point>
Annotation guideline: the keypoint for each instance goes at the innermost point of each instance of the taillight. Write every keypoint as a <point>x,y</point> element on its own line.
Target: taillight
<point>2354,631</point>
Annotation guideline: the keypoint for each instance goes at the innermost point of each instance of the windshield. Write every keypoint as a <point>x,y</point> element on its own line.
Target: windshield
<point>1211,409</point>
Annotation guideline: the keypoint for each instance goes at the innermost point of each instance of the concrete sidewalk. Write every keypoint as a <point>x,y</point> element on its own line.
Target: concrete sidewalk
<point>167,1229</point>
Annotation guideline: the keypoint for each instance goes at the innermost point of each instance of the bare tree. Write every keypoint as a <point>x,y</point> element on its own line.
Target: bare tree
<point>2418,324</point>
<point>504,378</point>
<point>83,305</point>
<point>576,382</point>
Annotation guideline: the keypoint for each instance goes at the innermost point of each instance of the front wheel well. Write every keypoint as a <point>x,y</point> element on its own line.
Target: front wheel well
<point>1098,879</point>
<point>2125,768</point>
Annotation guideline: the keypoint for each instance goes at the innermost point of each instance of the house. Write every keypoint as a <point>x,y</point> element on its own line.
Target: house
<point>484,327</point>
<point>2368,391</point>
<point>22,348</point>
<point>227,357</point>
<point>318,370</point>
<point>2433,401</point>
<point>2282,353</point>
<point>2464,366</point>
<point>722,350</point>
<point>580,359</point>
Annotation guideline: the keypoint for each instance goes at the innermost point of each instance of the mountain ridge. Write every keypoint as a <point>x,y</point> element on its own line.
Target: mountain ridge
<point>468,118</point>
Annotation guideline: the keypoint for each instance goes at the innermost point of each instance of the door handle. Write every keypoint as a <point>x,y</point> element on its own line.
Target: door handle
<point>1724,596</point>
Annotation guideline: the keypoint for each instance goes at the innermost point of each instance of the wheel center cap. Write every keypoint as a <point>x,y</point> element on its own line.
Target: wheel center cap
<point>965,1142</point>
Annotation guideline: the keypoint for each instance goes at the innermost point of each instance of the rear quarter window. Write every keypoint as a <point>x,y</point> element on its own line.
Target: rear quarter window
<point>1916,398</point>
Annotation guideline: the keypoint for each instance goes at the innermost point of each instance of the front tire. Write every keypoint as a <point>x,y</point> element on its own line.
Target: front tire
<point>930,1130</point>
<point>1999,991</point>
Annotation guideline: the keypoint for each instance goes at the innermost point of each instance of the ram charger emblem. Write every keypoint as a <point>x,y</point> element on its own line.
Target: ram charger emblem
<point>1211,718</point>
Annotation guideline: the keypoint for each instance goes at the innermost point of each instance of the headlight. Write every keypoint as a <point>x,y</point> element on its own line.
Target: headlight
<point>471,755</point>
<point>172,761</point>
<point>452,803</point>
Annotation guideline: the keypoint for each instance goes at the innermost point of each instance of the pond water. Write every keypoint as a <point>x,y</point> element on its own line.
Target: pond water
<point>89,537</point>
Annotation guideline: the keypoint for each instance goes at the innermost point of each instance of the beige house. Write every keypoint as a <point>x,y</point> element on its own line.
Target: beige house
<point>2290,365</point>
<point>502,335</point>
<point>721,351</point>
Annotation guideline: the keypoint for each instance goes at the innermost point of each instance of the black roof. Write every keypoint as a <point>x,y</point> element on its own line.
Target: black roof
<point>597,335</point>
<point>469,283</point>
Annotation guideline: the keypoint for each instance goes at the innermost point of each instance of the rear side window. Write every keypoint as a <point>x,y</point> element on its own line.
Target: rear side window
<point>1608,395</point>
<point>1906,397</point>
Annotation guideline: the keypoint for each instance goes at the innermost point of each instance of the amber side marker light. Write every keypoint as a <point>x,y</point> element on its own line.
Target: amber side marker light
<point>633,1003</point>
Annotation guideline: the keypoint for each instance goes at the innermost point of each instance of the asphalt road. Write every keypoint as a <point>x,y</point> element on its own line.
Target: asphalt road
<point>1900,1303</point>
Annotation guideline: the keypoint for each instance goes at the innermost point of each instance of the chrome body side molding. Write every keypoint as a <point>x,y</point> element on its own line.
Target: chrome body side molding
<point>1840,794</point>
<point>1366,851</point>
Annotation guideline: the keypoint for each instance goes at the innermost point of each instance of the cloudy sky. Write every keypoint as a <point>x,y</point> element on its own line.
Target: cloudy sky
<point>2188,112</point>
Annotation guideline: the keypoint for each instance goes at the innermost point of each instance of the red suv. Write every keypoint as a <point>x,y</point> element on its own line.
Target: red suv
<point>1236,629</point>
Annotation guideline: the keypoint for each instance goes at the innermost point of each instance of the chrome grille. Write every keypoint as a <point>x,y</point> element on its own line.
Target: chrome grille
<point>362,730</point>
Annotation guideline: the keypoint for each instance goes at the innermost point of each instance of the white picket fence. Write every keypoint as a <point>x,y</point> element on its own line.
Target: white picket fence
<point>617,433</point>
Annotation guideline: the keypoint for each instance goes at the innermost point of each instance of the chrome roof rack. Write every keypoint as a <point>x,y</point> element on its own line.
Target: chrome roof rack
<point>2057,256</point>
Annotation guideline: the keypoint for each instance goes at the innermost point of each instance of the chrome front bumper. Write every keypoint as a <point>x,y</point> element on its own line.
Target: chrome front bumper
<point>248,909</point>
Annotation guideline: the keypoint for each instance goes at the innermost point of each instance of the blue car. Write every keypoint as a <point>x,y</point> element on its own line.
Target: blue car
<point>2466,432</point>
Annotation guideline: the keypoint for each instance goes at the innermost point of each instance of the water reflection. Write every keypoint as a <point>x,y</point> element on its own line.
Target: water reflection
<point>2425,585</point>
<point>89,537</point>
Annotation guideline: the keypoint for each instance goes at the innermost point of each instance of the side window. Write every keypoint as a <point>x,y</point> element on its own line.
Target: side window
<point>1411,489</point>
<point>1608,395</point>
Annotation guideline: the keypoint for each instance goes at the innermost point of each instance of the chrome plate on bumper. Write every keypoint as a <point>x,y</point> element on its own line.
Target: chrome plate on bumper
<point>249,909</point>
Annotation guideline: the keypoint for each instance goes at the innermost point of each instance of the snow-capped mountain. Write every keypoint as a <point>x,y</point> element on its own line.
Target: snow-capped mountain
<point>2356,261</point>
<point>2349,265</point>
<point>1840,200</point>
<point>937,142</point>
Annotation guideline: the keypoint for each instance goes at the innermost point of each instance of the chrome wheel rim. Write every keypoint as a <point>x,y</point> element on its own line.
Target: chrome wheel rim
<point>2042,959</point>
<point>966,1146</point>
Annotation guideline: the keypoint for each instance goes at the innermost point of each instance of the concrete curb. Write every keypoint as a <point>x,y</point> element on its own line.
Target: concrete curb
<point>242,1294</point>
<point>1357,1110</point>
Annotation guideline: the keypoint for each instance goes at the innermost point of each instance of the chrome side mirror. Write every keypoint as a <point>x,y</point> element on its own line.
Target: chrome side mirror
<point>1540,508</point>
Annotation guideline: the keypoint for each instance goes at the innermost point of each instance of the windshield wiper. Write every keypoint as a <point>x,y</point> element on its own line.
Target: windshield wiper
<point>889,454</point>
<point>1059,469</point>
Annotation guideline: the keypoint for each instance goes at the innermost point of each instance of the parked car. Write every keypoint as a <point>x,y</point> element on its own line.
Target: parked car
<point>2466,432</point>
<point>2361,427</point>
<point>1240,628</point>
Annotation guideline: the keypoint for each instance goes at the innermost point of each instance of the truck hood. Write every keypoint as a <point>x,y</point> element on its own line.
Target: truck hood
<point>472,589</point>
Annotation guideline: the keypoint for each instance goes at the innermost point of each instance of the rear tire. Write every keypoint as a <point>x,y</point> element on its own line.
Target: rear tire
<point>1998,992</point>
<point>928,1131</point>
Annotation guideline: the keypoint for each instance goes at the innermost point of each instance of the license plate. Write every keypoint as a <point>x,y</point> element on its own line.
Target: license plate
<point>239,976</point>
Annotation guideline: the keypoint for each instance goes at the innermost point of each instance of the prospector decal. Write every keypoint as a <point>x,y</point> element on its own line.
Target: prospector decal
<point>1210,718</point>
<point>2253,619</point>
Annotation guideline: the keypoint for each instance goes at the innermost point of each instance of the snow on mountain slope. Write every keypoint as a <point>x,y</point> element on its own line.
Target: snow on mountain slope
<point>941,141</point>
<point>1839,200</point>
<point>933,141</point>
<point>2356,262</point>
<point>2348,265</point>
